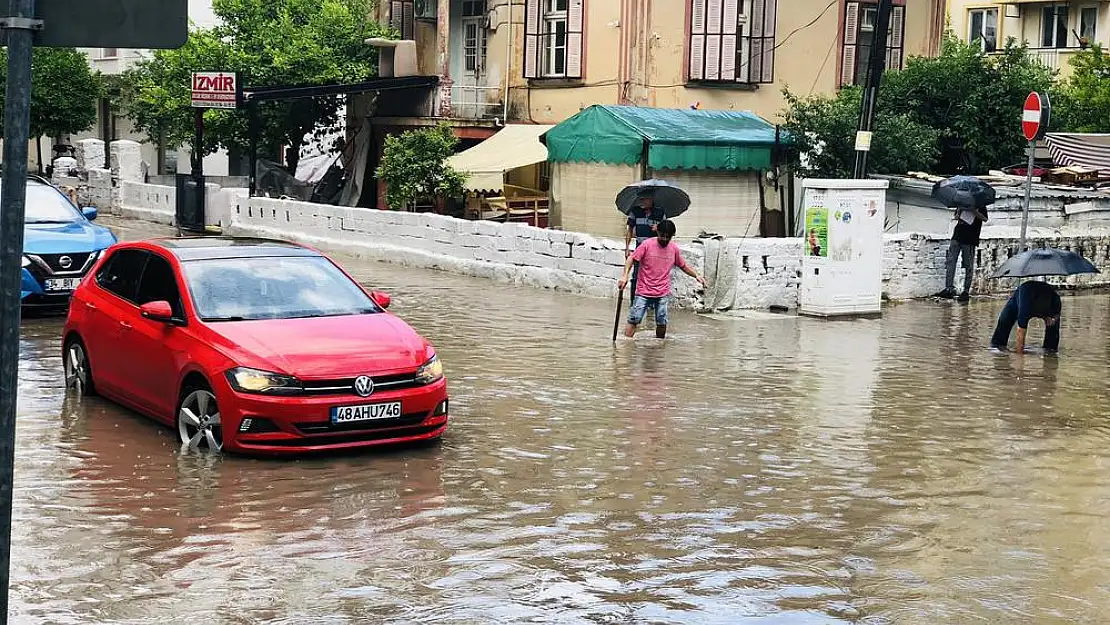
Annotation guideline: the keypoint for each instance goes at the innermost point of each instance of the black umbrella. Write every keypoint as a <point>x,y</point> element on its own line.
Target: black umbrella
<point>1044,262</point>
<point>668,197</point>
<point>963,191</point>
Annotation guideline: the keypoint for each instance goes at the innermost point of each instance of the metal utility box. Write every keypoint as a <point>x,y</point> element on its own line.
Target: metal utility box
<point>842,264</point>
<point>189,209</point>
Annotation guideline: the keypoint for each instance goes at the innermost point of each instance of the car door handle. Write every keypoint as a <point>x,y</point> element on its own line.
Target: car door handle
<point>126,326</point>
<point>90,306</point>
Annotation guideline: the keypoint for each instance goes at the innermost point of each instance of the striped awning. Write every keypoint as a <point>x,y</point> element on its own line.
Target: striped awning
<point>1080,149</point>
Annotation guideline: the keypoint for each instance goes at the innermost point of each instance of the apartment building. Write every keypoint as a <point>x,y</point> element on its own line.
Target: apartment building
<point>542,61</point>
<point>1053,31</point>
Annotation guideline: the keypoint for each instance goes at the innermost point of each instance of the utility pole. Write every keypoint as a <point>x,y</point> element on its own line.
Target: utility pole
<point>872,80</point>
<point>59,24</point>
<point>19,26</point>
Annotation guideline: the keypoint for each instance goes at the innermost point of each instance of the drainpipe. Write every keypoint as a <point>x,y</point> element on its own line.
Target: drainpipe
<point>443,44</point>
<point>508,64</point>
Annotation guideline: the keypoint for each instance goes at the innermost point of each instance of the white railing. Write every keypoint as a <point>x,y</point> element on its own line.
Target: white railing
<point>1049,57</point>
<point>473,102</point>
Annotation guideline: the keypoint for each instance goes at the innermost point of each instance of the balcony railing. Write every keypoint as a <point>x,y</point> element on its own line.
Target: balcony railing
<point>475,102</point>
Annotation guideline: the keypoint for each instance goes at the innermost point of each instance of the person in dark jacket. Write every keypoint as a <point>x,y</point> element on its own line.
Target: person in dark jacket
<point>1033,299</point>
<point>965,238</point>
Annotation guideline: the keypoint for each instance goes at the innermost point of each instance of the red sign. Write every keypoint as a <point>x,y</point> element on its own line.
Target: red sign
<point>1034,116</point>
<point>215,90</point>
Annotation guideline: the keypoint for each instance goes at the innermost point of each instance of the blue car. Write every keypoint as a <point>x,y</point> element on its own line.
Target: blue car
<point>60,245</point>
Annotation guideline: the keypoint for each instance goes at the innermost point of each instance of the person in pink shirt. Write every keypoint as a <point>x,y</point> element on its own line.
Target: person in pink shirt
<point>653,286</point>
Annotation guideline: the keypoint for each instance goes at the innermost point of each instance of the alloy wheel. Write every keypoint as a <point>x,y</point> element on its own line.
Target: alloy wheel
<point>198,422</point>
<point>77,369</point>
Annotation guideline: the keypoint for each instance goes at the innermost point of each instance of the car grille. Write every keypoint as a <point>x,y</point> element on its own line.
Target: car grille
<point>326,427</point>
<point>53,262</point>
<point>353,437</point>
<point>346,386</point>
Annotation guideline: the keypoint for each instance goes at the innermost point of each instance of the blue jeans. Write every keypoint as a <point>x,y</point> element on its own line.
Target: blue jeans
<point>1008,318</point>
<point>640,305</point>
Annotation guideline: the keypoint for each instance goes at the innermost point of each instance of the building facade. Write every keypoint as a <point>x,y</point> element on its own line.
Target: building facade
<point>1053,31</point>
<point>543,61</point>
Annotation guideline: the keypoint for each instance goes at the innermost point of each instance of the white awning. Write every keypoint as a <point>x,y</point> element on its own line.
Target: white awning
<point>515,145</point>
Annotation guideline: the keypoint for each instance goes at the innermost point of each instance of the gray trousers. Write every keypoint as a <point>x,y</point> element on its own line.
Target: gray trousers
<point>955,251</point>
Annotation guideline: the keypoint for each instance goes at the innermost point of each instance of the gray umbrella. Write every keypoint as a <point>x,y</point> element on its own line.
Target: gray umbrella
<point>963,191</point>
<point>668,197</point>
<point>1044,262</point>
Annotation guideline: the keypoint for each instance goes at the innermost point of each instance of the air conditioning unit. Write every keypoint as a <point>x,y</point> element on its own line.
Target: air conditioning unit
<point>427,9</point>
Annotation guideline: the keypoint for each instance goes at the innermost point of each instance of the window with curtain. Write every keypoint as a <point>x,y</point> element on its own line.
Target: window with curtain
<point>983,28</point>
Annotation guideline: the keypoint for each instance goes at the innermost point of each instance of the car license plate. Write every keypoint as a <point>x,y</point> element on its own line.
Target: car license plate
<point>368,412</point>
<point>62,284</point>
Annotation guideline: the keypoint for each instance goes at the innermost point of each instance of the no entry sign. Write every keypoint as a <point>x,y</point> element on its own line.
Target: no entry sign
<point>1035,115</point>
<point>215,90</point>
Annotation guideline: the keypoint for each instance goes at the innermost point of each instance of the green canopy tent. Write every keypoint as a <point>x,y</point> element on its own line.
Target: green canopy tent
<point>716,156</point>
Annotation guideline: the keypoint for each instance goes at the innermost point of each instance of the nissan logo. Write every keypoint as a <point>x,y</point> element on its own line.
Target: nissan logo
<point>364,385</point>
<point>65,262</point>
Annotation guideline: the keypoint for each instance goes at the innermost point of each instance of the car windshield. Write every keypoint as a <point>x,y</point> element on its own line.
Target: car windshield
<point>45,205</point>
<point>241,289</point>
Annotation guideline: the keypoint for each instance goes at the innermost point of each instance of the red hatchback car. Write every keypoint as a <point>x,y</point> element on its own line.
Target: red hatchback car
<point>251,346</point>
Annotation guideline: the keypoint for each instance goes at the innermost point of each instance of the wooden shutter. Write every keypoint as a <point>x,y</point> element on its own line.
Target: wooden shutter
<point>762,44</point>
<point>697,39</point>
<point>729,39</point>
<point>575,38</point>
<point>851,39</point>
<point>896,39</point>
<point>402,16</point>
<point>533,39</point>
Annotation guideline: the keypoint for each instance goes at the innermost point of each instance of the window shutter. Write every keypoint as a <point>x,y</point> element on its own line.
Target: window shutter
<point>402,16</point>
<point>409,20</point>
<point>767,60</point>
<point>575,39</point>
<point>533,40</point>
<point>851,37</point>
<point>897,43</point>
<point>697,39</point>
<point>712,57</point>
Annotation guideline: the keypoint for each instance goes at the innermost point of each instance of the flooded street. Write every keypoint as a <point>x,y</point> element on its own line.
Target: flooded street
<point>771,469</point>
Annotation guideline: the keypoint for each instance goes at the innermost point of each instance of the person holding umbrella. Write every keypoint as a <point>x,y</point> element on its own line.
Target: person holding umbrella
<point>1035,299</point>
<point>645,205</point>
<point>970,196</point>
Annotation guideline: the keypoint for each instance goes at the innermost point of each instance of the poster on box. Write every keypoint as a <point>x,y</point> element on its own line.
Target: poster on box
<point>817,231</point>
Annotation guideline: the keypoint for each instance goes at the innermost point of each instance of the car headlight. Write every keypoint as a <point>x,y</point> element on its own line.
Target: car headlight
<point>26,262</point>
<point>431,371</point>
<point>247,380</point>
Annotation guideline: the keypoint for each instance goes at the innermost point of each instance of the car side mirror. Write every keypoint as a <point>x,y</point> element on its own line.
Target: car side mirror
<point>157,311</point>
<point>89,212</point>
<point>381,298</point>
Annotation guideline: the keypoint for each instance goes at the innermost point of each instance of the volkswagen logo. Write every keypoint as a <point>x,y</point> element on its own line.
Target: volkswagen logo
<point>364,385</point>
<point>65,262</point>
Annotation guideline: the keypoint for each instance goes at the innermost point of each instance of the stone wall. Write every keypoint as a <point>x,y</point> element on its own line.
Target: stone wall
<point>913,264</point>
<point>749,273</point>
<point>511,253</point>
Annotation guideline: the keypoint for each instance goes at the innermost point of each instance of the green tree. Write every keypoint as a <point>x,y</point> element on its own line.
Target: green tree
<point>967,102</point>
<point>269,43</point>
<point>414,166</point>
<point>1083,103</point>
<point>64,91</point>
<point>824,130</point>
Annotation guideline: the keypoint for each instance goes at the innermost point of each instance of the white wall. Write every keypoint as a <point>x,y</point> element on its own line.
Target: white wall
<point>744,273</point>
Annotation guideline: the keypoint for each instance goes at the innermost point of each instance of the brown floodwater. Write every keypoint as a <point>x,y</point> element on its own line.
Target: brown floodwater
<point>770,469</point>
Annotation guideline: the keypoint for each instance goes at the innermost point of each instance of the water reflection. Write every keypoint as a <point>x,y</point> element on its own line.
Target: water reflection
<point>782,469</point>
